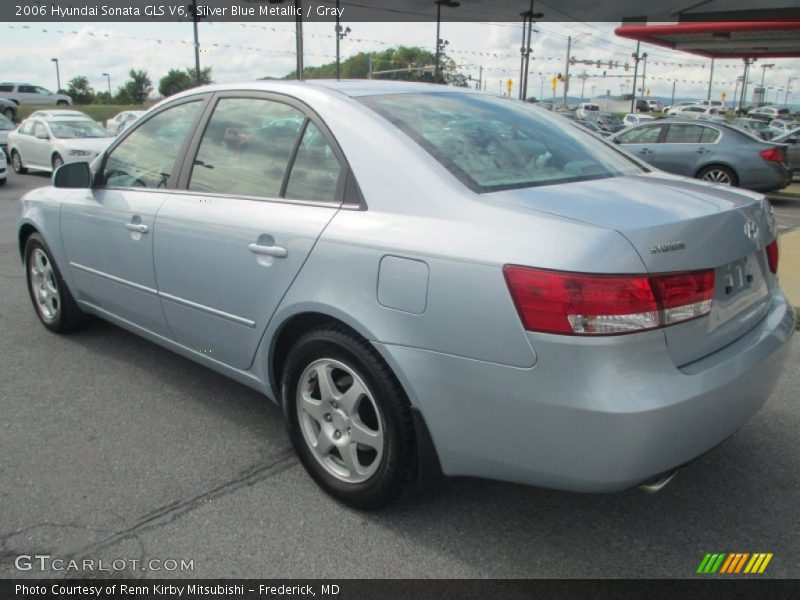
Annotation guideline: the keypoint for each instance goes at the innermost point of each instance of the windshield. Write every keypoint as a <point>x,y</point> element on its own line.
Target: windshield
<point>77,129</point>
<point>6,124</point>
<point>492,143</point>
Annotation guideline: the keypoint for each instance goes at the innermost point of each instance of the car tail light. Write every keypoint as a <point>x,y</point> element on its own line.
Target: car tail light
<point>584,304</point>
<point>772,256</point>
<point>772,154</point>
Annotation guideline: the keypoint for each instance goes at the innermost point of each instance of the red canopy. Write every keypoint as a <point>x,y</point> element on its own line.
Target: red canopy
<point>755,39</point>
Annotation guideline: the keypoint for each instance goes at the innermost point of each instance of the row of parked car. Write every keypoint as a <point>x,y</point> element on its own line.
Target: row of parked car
<point>48,139</point>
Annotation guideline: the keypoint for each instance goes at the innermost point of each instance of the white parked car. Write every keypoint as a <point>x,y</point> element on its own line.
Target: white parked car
<point>3,168</point>
<point>25,93</point>
<point>676,106</point>
<point>636,119</point>
<point>696,111</point>
<point>769,112</point>
<point>783,124</point>
<point>47,141</point>
<point>587,111</point>
<point>123,120</point>
<point>6,126</point>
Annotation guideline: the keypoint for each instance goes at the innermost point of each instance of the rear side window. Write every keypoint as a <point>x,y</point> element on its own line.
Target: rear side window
<point>684,134</point>
<point>492,143</point>
<point>6,88</point>
<point>26,128</point>
<point>315,171</point>
<point>647,134</point>
<point>709,135</point>
<point>27,89</point>
<point>246,148</point>
<point>147,156</point>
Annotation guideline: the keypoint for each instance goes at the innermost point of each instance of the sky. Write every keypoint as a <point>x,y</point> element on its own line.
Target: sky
<point>246,51</point>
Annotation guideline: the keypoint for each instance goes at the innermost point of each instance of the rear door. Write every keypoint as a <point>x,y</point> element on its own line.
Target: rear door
<point>252,206</point>
<point>37,146</point>
<point>686,147</point>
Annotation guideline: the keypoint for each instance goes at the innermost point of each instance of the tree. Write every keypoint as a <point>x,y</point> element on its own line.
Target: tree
<point>80,90</point>
<point>401,57</point>
<point>177,80</point>
<point>136,90</point>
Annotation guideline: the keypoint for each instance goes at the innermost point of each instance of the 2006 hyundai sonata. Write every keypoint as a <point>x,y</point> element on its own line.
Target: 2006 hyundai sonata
<point>427,280</point>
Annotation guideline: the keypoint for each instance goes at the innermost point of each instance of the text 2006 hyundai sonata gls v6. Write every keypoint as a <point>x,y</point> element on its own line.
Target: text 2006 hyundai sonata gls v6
<point>426,280</point>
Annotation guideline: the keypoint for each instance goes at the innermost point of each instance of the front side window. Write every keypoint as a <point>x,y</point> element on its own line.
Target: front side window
<point>27,89</point>
<point>43,92</point>
<point>147,156</point>
<point>39,130</point>
<point>647,134</point>
<point>26,128</point>
<point>494,143</point>
<point>246,148</point>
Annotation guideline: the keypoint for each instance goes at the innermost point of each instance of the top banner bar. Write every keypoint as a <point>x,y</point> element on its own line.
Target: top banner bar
<point>391,11</point>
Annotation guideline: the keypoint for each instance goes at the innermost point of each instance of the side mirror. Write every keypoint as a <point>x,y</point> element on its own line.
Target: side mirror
<point>42,136</point>
<point>73,175</point>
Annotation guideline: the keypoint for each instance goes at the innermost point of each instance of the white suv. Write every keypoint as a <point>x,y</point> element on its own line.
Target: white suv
<point>25,93</point>
<point>48,140</point>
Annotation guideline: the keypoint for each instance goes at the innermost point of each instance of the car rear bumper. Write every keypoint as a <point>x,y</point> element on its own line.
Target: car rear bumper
<point>593,414</point>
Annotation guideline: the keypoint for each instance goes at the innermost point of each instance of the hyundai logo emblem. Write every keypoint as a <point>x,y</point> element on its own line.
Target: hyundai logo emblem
<point>751,230</point>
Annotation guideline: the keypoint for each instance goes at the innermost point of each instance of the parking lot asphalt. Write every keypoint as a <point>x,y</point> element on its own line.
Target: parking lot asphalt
<point>113,448</point>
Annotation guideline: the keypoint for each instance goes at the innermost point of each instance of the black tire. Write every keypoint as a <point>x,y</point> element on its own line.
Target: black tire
<point>56,161</point>
<point>715,174</point>
<point>3,181</point>
<point>16,163</point>
<point>68,316</point>
<point>9,113</point>
<point>62,103</point>
<point>397,466</point>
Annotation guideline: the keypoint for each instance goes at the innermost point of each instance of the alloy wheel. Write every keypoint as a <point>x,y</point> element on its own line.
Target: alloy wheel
<point>43,285</point>
<point>340,420</point>
<point>717,176</point>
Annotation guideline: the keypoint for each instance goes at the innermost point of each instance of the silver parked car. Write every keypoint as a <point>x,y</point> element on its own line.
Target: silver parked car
<point>712,151</point>
<point>25,93</point>
<point>122,120</point>
<point>426,279</point>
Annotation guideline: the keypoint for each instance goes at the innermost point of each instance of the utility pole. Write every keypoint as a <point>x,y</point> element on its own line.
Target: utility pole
<point>744,82</point>
<point>566,71</point>
<point>440,43</point>
<point>636,59</point>
<point>788,83</point>
<point>340,35</point>
<point>108,77</point>
<point>480,77</point>
<point>298,34</point>
<point>369,71</point>
<point>710,82</point>
<point>195,19</point>
<point>672,101</point>
<point>644,74</point>
<point>530,16</point>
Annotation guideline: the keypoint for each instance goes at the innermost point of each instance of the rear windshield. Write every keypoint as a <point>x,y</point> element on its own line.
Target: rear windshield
<point>493,143</point>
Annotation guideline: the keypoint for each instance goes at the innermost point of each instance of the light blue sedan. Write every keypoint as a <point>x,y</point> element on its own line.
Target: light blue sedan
<point>427,280</point>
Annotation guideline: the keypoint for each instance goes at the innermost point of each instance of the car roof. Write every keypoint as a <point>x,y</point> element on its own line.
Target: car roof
<point>60,114</point>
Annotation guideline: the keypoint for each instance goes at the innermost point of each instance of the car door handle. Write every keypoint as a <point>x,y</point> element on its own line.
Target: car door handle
<point>138,227</point>
<point>276,251</point>
<point>701,150</point>
<point>645,151</point>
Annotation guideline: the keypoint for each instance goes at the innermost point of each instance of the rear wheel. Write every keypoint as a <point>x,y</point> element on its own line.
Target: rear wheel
<point>718,174</point>
<point>348,418</point>
<point>16,163</point>
<point>52,300</point>
<point>62,103</point>
<point>9,113</point>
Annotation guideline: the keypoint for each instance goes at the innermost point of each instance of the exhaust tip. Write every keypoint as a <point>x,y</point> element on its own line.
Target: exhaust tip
<point>657,484</point>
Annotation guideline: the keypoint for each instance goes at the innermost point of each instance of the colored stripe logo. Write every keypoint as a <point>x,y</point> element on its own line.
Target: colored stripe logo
<point>734,563</point>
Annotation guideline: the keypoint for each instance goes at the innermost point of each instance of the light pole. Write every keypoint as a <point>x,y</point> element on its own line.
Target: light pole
<point>440,43</point>
<point>636,58</point>
<point>644,74</point>
<point>527,23</point>
<point>789,83</point>
<point>340,35</point>
<point>592,97</point>
<point>108,78</point>
<point>763,73</point>
<point>58,75</point>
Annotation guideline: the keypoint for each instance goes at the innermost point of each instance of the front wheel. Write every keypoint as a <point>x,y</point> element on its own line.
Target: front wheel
<point>718,174</point>
<point>57,161</point>
<point>349,420</point>
<point>51,298</point>
<point>16,163</point>
<point>62,103</point>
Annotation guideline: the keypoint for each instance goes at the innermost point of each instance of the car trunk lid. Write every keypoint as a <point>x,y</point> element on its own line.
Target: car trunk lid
<point>677,224</point>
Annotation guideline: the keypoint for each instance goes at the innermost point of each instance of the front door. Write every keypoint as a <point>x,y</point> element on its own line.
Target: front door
<point>108,231</point>
<point>262,186</point>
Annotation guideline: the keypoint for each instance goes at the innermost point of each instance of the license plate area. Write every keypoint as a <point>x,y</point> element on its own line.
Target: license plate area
<point>741,291</point>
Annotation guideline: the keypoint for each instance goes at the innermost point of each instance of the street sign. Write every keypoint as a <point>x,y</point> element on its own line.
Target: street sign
<point>554,82</point>
<point>509,85</point>
<point>724,96</point>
